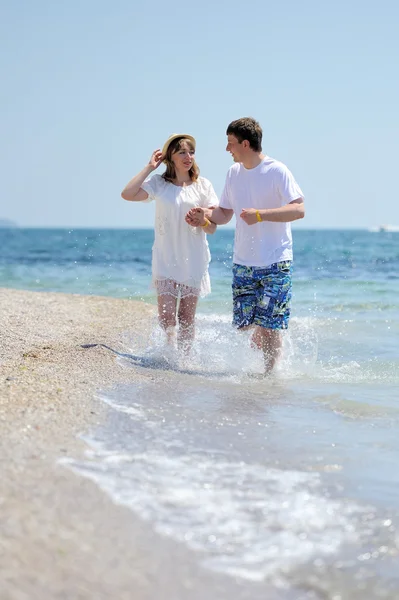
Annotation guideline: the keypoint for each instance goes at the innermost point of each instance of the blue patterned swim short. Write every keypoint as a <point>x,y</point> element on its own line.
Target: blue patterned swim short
<point>261,295</point>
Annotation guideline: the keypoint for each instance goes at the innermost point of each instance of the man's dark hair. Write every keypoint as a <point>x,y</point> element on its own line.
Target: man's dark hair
<point>247,129</point>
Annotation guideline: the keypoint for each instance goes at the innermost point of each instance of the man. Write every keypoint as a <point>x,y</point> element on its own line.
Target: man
<point>265,198</point>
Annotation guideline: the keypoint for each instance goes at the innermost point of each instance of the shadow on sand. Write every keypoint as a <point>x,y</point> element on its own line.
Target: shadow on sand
<point>159,362</point>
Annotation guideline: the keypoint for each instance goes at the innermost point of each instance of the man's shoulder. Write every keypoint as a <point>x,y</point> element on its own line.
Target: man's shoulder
<point>234,169</point>
<point>274,167</point>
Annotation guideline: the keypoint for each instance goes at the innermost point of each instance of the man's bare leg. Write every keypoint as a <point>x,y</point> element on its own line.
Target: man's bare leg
<point>257,338</point>
<point>272,342</point>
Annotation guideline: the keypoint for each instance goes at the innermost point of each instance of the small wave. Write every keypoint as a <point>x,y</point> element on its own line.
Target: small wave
<point>169,460</point>
<point>251,522</point>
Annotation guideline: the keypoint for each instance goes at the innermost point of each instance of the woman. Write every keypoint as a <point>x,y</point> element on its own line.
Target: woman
<point>180,254</point>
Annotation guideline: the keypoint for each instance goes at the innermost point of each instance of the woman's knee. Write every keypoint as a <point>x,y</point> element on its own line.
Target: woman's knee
<point>187,311</point>
<point>167,312</point>
<point>186,321</point>
<point>167,321</point>
<point>167,318</point>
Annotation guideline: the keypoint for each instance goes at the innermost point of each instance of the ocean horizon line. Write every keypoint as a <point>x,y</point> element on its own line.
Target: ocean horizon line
<point>150,228</point>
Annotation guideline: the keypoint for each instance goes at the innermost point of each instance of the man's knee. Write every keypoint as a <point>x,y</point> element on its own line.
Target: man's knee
<point>270,333</point>
<point>269,338</point>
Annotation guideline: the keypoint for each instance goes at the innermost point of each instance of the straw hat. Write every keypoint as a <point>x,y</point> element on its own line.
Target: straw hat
<point>174,136</point>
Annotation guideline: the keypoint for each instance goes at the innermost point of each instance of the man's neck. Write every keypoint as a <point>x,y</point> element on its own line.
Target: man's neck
<point>253,160</point>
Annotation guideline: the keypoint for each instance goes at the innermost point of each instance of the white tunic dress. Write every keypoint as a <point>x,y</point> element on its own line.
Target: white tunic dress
<point>180,254</point>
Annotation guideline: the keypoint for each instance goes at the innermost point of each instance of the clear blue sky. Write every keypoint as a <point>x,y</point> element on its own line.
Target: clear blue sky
<point>90,88</point>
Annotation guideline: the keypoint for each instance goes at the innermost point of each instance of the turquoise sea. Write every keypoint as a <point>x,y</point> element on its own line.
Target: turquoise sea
<point>289,486</point>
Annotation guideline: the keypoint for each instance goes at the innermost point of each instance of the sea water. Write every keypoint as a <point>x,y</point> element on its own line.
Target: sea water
<point>290,481</point>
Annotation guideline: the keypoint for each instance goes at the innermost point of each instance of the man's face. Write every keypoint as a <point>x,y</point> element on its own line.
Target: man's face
<point>235,148</point>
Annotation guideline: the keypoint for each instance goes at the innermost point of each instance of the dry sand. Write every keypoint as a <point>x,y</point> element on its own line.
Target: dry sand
<point>61,537</point>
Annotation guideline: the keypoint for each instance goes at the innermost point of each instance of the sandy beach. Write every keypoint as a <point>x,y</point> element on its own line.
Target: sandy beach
<point>61,537</point>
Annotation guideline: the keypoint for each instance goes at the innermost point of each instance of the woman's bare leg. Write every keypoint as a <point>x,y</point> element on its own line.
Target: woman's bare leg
<point>167,305</point>
<point>186,317</point>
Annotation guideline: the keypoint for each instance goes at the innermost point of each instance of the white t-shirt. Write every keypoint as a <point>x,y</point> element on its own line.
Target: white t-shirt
<point>180,252</point>
<point>269,185</point>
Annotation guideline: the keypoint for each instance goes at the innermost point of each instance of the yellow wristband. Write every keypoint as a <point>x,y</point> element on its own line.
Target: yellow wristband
<point>207,222</point>
<point>258,217</point>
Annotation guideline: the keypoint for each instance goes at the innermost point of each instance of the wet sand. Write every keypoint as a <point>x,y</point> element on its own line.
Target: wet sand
<point>61,537</point>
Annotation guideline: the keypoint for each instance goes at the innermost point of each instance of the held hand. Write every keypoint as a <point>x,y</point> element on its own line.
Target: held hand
<point>195,217</point>
<point>249,216</point>
<point>156,159</point>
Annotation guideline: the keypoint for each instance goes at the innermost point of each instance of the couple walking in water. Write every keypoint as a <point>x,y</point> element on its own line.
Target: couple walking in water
<point>265,198</point>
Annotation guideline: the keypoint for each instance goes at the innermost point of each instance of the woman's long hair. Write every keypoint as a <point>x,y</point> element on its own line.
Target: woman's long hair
<point>175,146</point>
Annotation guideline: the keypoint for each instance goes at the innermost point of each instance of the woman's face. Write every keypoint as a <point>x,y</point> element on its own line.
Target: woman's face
<point>183,159</point>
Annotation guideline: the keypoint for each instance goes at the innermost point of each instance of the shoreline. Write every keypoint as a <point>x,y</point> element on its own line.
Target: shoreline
<point>62,536</point>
